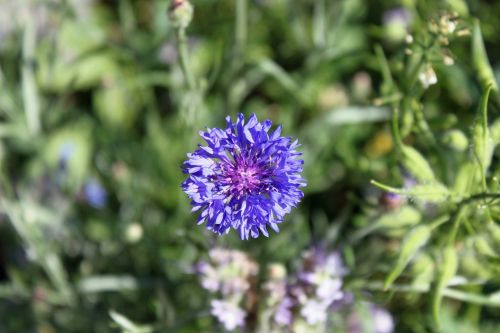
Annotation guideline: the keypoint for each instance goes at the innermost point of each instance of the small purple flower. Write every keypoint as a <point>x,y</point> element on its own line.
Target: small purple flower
<point>95,194</point>
<point>377,319</point>
<point>391,201</point>
<point>244,178</point>
<point>283,315</point>
<point>228,313</point>
<point>228,271</point>
<point>330,290</point>
<point>314,311</point>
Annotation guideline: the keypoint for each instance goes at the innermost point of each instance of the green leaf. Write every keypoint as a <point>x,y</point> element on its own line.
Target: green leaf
<point>75,142</point>
<point>414,240</point>
<point>127,325</point>
<point>116,104</point>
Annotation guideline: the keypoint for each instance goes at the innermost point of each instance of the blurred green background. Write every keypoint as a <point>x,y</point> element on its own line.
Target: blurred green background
<point>96,119</point>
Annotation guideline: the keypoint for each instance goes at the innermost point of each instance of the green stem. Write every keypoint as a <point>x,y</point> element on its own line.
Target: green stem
<point>424,125</point>
<point>319,23</point>
<point>480,197</point>
<point>447,292</point>
<point>438,221</point>
<point>184,58</point>
<point>484,108</point>
<point>395,127</point>
<point>241,27</point>
<point>387,188</point>
<point>457,215</point>
<point>29,88</point>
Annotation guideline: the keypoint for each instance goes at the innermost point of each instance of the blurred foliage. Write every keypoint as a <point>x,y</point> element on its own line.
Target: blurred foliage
<point>98,109</point>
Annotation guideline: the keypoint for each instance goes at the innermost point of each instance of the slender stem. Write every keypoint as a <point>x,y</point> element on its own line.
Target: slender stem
<point>438,221</point>
<point>479,197</point>
<point>395,127</point>
<point>30,93</point>
<point>424,125</point>
<point>387,188</point>
<point>457,215</point>
<point>184,58</point>
<point>447,292</point>
<point>241,27</point>
<point>484,108</point>
<point>319,24</point>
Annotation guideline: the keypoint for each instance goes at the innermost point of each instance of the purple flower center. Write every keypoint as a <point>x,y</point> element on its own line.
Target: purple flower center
<point>244,176</point>
<point>245,179</point>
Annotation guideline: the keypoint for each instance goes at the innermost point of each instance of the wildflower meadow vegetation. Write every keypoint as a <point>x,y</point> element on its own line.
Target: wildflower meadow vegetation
<point>269,166</point>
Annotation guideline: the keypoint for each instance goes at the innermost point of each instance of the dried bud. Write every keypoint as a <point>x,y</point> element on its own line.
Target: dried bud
<point>448,61</point>
<point>180,13</point>
<point>447,24</point>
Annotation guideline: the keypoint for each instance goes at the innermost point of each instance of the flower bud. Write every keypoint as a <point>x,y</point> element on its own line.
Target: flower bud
<point>180,13</point>
<point>427,76</point>
<point>413,241</point>
<point>447,270</point>
<point>276,271</point>
<point>456,140</point>
<point>423,270</point>
<point>134,233</point>
<point>416,164</point>
<point>495,132</point>
<point>482,141</point>
<point>483,247</point>
<point>480,59</point>
<point>431,192</point>
<point>396,24</point>
<point>403,217</point>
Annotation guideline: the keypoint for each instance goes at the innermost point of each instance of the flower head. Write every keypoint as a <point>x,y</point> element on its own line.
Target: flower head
<point>228,271</point>
<point>228,313</point>
<point>244,178</point>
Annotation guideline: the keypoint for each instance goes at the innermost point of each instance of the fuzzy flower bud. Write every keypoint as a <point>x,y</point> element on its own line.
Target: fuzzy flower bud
<point>456,140</point>
<point>427,77</point>
<point>180,13</point>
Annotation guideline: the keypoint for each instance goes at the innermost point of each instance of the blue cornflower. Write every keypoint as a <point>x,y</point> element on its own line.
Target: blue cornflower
<point>95,195</point>
<point>244,178</point>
